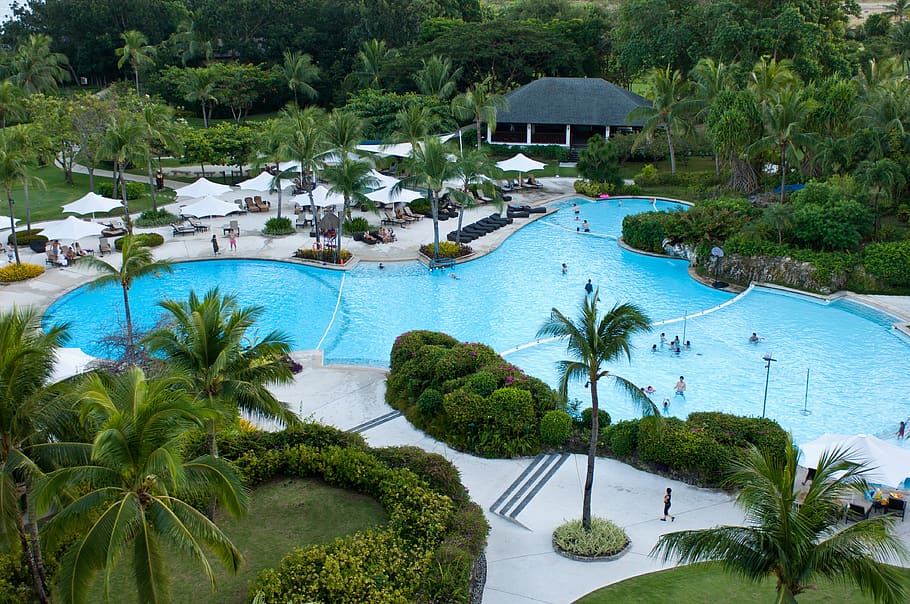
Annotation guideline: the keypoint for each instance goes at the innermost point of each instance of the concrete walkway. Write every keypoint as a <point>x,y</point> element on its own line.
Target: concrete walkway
<point>523,568</point>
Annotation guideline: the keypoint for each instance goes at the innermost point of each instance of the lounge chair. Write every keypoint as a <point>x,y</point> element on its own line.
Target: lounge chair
<point>407,212</point>
<point>240,205</point>
<point>104,246</point>
<point>897,506</point>
<point>180,228</point>
<point>52,258</point>
<point>303,220</point>
<point>199,226</point>
<point>389,219</point>
<point>856,512</point>
<point>262,205</point>
<point>114,229</point>
<point>400,215</point>
<point>234,227</point>
<point>250,205</point>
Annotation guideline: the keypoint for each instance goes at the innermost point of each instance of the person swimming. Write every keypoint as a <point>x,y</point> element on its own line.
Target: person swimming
<point>650,389</point>
<point>565,269</point>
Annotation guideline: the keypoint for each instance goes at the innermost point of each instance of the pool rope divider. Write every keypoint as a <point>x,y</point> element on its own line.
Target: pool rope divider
<point>334,312</point>
<point>588,233</point>
<point>700,313</point>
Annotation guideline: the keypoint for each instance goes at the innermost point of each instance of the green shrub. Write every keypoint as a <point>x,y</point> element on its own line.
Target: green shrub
<point>409,343</point>
<point>420,206</point>
<point>622,438</point>
<point>647,175</point>
<point>15,579</point>
<point>154,218</point>
<point>24,238</point>
<point>684,448</point>
<point>889,262</point>
<point>483,383</point>
<point>355,225</point>
<point>134,189</point>
<point>146,239</point>
<point>328,257</point>
<point>20,272</point>
<point>647,231</point>
<point>447,249</point>
<point>594,189</point>
<point>278,226</point>
<point>604,539</point>
<point>603,418</point>
<point>555,427</point>
<point>434,469</point>
<point>557,152</point>
<point>430,401</point>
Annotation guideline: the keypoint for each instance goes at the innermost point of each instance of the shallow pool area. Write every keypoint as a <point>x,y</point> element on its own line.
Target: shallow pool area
<point>859,367</point>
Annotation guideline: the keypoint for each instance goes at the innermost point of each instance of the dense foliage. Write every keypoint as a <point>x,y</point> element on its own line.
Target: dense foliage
<point>20,272</point>
<point>466,395</point>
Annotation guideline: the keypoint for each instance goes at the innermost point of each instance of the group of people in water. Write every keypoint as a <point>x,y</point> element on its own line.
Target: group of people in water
<point>675,345</point>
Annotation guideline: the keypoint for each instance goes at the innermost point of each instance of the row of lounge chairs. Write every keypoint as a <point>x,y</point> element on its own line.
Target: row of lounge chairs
<point>256,204</point>
<point>479,229</point>
<point>188,226</point>
<point>402,217</point>
<point>523,211</point>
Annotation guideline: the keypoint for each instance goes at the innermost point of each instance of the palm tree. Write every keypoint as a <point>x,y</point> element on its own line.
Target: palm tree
<point>15,162</point>
<point>900,42</point>
<point>36,68</point>
<point>189,42</point>
<point>129,496</point>
<point>349,178</point>
<point>480,104</point>
<point>305,143</point>
<point>413,123</point>
<point>768,78</point>
<point>372,58</point>
<point>710,78</point>
<point>269,142</point>
<point>212,343</point>
<point>477,172</point>
<point>137,261</point>
<point>343,132</point>
<point>436,77</point>
<point>594,341</point>
<point>12,102</point>
<point>135,51</point>
<point>27,358</point>
<point>124,142</point>
<point>160,130</point>
<point>429,167</point>
<point>882,178</point>
<point>784,117</point>
<point>797,542</point>
<point>898,9</point>
<point>669,107</point>
<point>199,87</point>
<point>299,72</point>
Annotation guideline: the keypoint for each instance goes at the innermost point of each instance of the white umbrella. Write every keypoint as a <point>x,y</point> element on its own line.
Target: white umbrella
<point>209,206</point>
<point>202,188</point>
<point>890,464</point>
<point>70,362</point>
<point>91,203</point>
<point>263,182</point>
<point>386,196</point>
<point>72,229</point>
<point>520,163</point>
<point>383,180</point>
<point>390,150</point>
<point>322,197</point>
<point>4,222</point>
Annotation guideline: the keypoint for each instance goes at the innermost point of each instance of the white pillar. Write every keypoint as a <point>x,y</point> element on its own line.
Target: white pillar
<point>568,135</point>
<point>607,134</point>
<point>489,135</point>
<point>528,135</point>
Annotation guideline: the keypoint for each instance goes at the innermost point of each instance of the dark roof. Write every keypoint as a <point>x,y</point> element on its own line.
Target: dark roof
<point>581,101</point>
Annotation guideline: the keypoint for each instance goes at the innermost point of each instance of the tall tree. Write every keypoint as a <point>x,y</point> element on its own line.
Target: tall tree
<point>269,143</point>
<point>349,178</point>
<point>27,359</point>
<point>480,104</point>
<point>160,129</point>
<point>670,105</point>
<point>900,43</point>
<point>198,86</point>
<point>16,162</point>
<point>343,132</point>
<point>229,367</point>
<point>413,123</point>
<point>124,142</point>
<point>137,261</point>
<point>429,167</point>
<point>137,52</point>
<point>12,102</point>
<point>371,60</point>
<point>797,542</point>
<point>89,116</point>
<point>305,143</point>
<point>784,117</point>
<point>898,9</point>
<point>709,78</point>
<point>36,68</point>
<point>595,341</point>
<point>437,78</point>
<point>882,178</point>
<point>769,77</point>
<point>300,73</point>
<point>130,497</point>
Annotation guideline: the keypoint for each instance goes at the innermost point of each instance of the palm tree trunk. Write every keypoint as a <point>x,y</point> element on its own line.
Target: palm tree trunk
<point>126,202</point>
<point>478,133</point>
<point>136,73</point>
<point>592,456</point>
<point>783,175</point>
<point>672,151</point>
<point>875,218</point>
<point>129,326</point>
<point>152,186</point>
<point>279,199</point>
<point>39,585</point>
<point>28,206</point>
<point>434,207</point>
<point>458,231</point>
<point>12,225</point>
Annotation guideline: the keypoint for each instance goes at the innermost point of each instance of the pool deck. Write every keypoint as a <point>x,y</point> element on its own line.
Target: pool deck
<point>522,567</point>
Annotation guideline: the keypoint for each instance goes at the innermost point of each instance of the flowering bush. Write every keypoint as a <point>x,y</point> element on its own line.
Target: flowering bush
<point>20,272</point>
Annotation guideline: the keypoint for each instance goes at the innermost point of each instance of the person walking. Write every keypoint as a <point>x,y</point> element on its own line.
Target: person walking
<point>215,244</point>
<point>589,288</point>
<point>232,239</point>
<point>667,503</point>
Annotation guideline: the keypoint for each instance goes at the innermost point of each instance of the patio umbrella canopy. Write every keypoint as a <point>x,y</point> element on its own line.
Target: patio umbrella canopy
<point>209,206</point>
<point>387,196</point>
<point>72,229</point>
<point>70,362</point>
<point>321,198</point>
<point>202,188</point>
<point>383,180</point>
<point>91,203</point>
<point>890,463</point>
<point>520,163</point>
<point>263,182</point>
<point>4,222</point>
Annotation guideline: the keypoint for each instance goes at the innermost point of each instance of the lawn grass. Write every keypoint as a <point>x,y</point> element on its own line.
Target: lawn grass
<point>284,514</point>
<point>45,201</point>
<point>707,584</point>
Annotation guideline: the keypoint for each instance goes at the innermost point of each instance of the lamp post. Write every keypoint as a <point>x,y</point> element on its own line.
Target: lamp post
<point>768,359</point>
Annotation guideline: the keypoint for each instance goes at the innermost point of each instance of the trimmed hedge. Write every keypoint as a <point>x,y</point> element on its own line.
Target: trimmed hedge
<point>889,262</point>
<point>134,189</point>
<point>278,226</point>
<point>20,272</point>
<point>24,238</point>
<point>425,553</point>
<point>155,218</point>
<point>488,406</point>
<point>146,239</point>
<point>328,256</point>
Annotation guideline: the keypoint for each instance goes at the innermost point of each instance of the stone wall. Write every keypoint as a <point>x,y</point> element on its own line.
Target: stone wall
<point>782,270</point>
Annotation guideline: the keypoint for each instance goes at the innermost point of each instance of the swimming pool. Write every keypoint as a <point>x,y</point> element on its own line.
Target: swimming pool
<point>859,369</point>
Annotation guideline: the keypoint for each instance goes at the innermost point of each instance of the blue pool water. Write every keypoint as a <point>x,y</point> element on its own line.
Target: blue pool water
<point>859,368</point>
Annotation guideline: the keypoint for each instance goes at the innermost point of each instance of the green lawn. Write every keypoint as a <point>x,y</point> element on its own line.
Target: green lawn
<point>45,201</point>
<point>708,584</point>
<point>283,514</point>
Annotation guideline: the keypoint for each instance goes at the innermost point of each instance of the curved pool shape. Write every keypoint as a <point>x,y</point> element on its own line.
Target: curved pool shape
<point>858,366</point>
